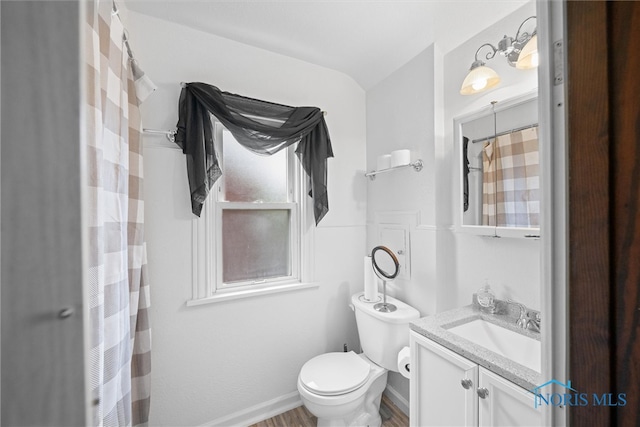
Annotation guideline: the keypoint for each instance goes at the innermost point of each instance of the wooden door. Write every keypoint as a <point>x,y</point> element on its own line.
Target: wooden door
<point>603,105</point>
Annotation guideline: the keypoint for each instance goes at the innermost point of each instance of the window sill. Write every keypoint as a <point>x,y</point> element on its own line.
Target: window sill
<point>250,293</point>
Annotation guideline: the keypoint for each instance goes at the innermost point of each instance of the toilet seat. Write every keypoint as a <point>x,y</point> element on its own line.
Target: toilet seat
<point>333,374</point>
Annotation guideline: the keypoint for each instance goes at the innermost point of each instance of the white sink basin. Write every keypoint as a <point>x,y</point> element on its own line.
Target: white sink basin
<point>512,345</point>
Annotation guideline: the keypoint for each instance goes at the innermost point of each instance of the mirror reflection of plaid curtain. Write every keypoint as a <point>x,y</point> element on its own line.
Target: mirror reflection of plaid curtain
<point>118,291</point>
<point>511,180</point>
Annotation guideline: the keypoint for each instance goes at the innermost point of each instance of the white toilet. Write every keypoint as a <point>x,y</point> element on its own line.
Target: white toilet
<point>344,389</point>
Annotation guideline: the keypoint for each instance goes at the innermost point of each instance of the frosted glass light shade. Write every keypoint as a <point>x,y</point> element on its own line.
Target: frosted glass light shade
<point>479,79</point>
<point>529,56</point>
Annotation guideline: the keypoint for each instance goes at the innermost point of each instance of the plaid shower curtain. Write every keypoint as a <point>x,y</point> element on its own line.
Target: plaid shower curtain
<point>119,294</point>
<point>511,180</point>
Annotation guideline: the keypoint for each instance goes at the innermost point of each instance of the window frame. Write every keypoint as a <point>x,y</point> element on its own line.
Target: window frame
<point>207,283</point>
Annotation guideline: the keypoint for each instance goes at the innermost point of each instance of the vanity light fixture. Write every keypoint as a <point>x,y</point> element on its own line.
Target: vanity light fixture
<point>520,51</point>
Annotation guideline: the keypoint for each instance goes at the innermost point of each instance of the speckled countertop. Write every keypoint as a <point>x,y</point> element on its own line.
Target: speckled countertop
<point>435,328</point>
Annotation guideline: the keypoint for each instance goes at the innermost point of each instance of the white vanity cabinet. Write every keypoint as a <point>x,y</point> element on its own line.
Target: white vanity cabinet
<point>447,390</point>
<point>438,397</point>
<point>505,404</point>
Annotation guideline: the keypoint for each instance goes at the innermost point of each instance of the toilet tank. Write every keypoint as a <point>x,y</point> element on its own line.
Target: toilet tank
<point>382,335</point>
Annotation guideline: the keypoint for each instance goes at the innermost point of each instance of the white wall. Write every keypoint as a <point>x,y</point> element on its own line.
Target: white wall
<point>219,359</point>
<point>414,108</point>
<point>400,115</point>
<point>510,265</point>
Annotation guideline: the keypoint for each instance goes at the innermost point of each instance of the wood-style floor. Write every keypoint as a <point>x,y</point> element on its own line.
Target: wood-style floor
<point>300,417</point>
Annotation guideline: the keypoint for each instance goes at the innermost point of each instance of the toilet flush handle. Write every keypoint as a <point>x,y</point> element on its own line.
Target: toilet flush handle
<point>352,307</point>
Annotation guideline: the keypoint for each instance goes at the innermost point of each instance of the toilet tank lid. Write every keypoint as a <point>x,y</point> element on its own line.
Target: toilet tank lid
<point>404,313</point>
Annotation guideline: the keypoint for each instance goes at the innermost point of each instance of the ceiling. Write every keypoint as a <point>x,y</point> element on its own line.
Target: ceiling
<point>365,39</point>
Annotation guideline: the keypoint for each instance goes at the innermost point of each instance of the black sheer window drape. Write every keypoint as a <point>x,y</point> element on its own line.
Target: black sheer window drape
<point>262,127</point>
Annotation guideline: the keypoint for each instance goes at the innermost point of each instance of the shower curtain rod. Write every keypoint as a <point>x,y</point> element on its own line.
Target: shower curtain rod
<point>505,133</point>
<point>170,134</point>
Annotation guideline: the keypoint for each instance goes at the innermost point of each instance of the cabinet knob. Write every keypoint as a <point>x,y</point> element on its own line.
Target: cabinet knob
<point>466,383</point>
<point>482,392</point>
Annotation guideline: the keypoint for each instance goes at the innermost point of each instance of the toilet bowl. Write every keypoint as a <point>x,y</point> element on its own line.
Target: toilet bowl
<point>342,389</point>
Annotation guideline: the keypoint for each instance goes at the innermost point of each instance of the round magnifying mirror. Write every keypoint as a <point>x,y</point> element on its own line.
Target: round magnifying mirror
<point>386,267</point>
<point>385,263</point>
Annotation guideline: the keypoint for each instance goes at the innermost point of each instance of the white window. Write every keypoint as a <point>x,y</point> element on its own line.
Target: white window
<point>254,235</point>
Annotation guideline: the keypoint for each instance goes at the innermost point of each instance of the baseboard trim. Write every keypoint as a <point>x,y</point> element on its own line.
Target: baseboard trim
<point>259,412</point>
<point>397,399</point>
<point>273,407</point>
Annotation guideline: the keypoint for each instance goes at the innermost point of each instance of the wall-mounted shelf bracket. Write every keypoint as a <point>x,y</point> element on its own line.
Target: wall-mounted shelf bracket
<point>417,166</point>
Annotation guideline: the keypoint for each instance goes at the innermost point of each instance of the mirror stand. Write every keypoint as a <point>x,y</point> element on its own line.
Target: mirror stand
<point>383,306</point>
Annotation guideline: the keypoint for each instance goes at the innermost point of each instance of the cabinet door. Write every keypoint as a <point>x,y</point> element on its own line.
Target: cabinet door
<point>438,396</point>
<point>396,238</point>
<point>42,347</point>
<point>506,404</point>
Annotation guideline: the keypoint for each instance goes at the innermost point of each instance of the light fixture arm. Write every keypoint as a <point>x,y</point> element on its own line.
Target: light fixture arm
<point>508,45</point>
<point>519,42</point>
<point>525,37</point>
<point>489,55</point>
<point>481,77</point>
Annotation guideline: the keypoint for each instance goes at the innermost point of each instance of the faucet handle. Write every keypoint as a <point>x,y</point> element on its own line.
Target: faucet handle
<point>533,320</point>
<point>534,316</point>
<point>523,309</point>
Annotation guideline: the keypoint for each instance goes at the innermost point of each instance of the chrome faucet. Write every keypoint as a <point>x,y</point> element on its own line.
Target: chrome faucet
<point>528,319</point>
<point>522,320</point>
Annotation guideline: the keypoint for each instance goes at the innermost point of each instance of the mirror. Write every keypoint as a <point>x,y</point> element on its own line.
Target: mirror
<point>386,266</point>
<point>500,186</point>
<point>385,263</point>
